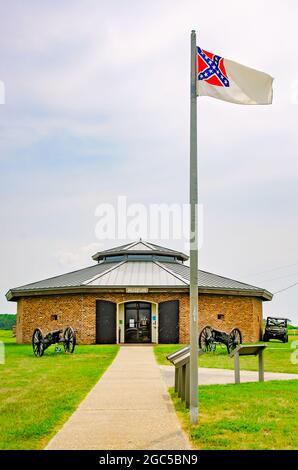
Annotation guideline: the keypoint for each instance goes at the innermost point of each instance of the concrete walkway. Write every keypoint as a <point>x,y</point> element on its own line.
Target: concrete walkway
<point>129,408</point>
<point>210,376</point>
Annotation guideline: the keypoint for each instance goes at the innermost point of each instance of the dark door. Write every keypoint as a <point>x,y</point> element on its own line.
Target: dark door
<point>168,321</point>
<point>105,322</point>
<point>137,322</point>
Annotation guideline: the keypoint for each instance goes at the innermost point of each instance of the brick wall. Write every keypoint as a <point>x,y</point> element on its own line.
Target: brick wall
<point>78,310</point>
<point>244,313</point>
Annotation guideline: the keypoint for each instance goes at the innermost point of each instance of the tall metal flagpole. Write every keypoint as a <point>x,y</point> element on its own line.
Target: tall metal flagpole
<point>193,291</point>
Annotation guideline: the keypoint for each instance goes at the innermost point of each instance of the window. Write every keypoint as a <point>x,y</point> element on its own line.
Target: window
<point>277,322</point>
<point>114,258</point>
<point>164,258</point>
<point>220,316</point>
<point>54,317</point>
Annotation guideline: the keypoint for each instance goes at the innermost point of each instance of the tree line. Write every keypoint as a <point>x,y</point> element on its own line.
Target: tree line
<point>7,321</point>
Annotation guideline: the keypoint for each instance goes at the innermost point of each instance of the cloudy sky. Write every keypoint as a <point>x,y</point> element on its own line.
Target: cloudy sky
<point>97,106</point>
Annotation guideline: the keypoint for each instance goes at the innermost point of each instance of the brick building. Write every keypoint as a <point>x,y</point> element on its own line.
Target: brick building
<point>137,292</point>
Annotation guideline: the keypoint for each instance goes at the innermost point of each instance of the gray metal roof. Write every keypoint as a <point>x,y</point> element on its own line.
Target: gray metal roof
<point>138,273</point>
<point>207,279</point>
<point>134,274</point>
<point>72,279</point>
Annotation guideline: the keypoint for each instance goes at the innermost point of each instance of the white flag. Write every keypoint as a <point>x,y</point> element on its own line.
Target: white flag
<point>226,80</point>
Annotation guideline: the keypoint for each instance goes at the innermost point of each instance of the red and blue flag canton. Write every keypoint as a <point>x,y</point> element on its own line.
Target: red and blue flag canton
<point>211,69</point>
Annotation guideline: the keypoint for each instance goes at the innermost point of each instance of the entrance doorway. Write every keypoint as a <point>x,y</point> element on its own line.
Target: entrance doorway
<point>138,322</point>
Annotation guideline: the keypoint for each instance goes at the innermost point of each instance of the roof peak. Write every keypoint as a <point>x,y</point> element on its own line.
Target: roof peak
<point>140,247</point>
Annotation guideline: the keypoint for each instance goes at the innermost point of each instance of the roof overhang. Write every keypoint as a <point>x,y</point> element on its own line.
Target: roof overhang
<point>178,254</point>
<point>14,294</point>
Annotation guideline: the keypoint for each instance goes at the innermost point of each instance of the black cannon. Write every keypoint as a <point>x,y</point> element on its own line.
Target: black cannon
<point>40,342</point>
<point>209,338</point>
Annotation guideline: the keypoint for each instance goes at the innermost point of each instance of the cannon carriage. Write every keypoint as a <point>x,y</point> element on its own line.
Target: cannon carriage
<point>209,338</point>
<point>42,342</point>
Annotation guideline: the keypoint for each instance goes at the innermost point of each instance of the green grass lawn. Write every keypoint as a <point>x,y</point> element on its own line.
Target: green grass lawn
<point>37,395</point>
<point>277,357</point>
<point>6,336</point>
<point>247,416</point>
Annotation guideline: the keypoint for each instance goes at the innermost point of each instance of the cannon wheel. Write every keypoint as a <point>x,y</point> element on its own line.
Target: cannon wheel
<point>205,339</point>
<point>69,339</point>
<point>38,342</point>
<point>235,338</point>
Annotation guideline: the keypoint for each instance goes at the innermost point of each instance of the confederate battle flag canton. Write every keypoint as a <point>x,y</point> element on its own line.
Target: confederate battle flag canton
<point>211,69</point>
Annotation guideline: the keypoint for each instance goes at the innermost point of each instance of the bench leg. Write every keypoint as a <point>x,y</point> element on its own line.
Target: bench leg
<point>261,366</point>
<point>176,379</point>
<point>183,383</point>
<point>237,368</point>
<point>179,381</point>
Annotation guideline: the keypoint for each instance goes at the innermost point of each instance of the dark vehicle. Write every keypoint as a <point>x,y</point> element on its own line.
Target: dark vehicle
<point>276,328</point>
<point>209,338</point>
<point>40,342</point>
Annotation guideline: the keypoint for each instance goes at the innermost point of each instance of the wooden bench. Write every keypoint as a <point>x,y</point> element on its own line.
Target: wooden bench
<point>180,359</point>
